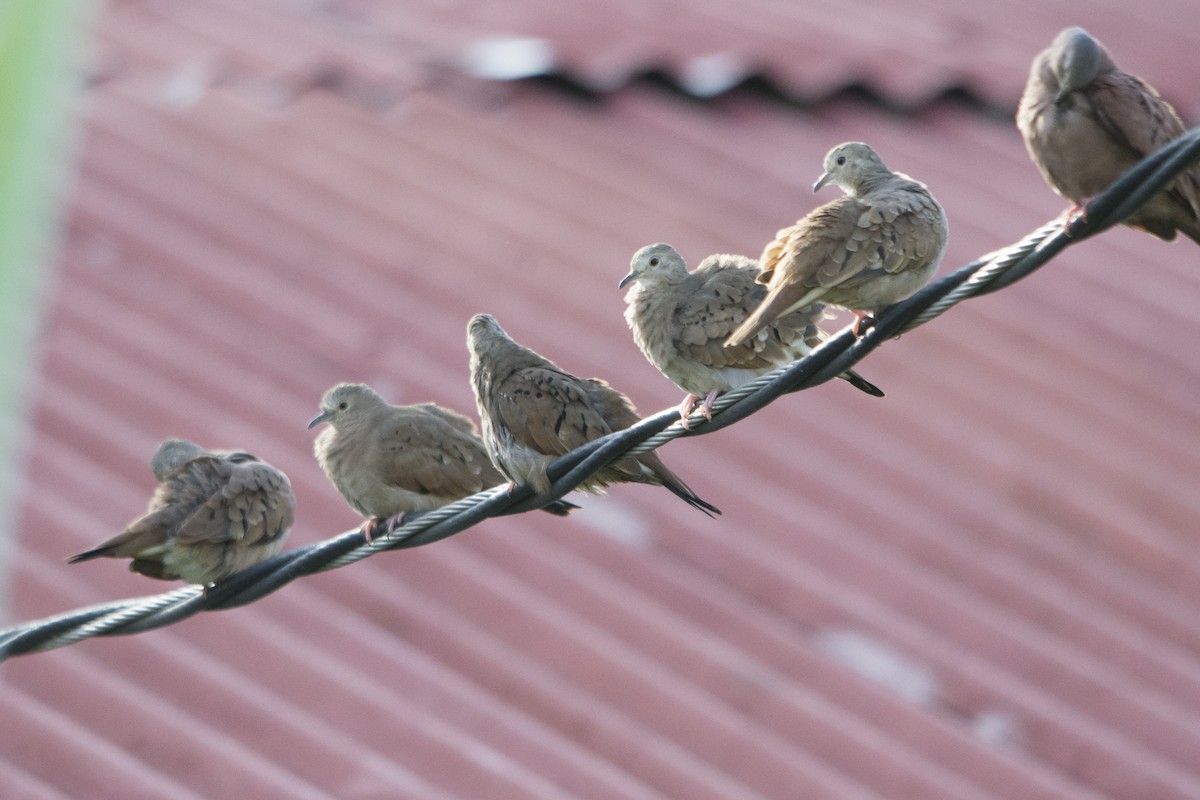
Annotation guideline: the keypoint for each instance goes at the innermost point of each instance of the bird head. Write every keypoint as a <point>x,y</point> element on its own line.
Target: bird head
<point>850,166</point>
<point>1076,60</point>
<point>653,260</point>
<point>343,401</point>
<point>171,455</point>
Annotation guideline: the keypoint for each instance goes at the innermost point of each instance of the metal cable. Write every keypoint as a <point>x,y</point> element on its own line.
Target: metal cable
<point>840,352</point>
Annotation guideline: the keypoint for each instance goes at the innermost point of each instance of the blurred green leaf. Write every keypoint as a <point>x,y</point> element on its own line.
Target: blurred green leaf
<point>41,62</point>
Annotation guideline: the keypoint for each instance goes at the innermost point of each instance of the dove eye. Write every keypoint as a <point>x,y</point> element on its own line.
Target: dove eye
<point>841,160</point>
<point>342,405</point>
<point>654,261</point>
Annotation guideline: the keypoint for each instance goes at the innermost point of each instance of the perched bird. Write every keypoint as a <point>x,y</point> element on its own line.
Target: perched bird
<point>874,247</point>
<point>1085,123</point>
<point>533,411</point>
<point>214,513</point>
<point>388,460</point>
<point>680,321</point>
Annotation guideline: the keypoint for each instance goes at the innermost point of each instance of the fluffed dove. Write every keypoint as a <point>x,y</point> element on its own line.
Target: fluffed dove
<point>214,513</point>
<point>1085,123</point>
<point>874,247</point>
<point>533,411</point>
<point>388,460</point>
<point>680,321</point>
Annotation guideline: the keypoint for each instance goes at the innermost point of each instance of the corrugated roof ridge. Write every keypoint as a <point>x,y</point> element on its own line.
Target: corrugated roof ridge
<point>1016,645</point>
<point>371,73</point>
<point>18,784</point>
<point>271,44</point>
<point>1157,544</point>
<point>342,238</point>
<point>1109,512</point>
<point>405,736</point>
<point>241,699</point>
<point>774,87</point>
<point>652,691</point>
<point>188,316</point>
<point>81,674</point>
<point>1089,735</point>
<point>789,645</point>
<point>373,58</point>
<point>505,670</point>
<point>915,438</point>
<point>456,698</point>
<point>305,227</point>
<point>377,76</point>
<point>108,759</point>
<point>105,372</point>
<point>924,546</point>
<point>128,211</point>
<point>778,574</point>
<point>811,715</point>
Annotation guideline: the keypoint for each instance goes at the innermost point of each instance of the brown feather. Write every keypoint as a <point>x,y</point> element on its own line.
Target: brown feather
<point>388,460</point>
<point>213,514</point>
<point>1085,123</point>
<point>533,411</point>
<point>875,246</point>
<point>680,321</point>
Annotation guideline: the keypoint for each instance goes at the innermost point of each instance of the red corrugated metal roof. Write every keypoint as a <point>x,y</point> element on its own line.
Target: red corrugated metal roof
<point>377,52</point>
<point>274,197</point>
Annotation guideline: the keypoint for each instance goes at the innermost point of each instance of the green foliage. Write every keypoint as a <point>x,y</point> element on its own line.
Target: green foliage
<point>40,59</point>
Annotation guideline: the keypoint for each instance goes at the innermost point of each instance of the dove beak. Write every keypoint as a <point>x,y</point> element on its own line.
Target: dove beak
<point>627,279</point>
<point>821,181</point>
<point>318,419</point>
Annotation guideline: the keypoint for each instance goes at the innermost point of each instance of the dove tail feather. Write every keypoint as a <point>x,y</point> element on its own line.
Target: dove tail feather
<point>861,383</point>
<point>95,552</point>
<point>681,490</point>
<point>559,508</point>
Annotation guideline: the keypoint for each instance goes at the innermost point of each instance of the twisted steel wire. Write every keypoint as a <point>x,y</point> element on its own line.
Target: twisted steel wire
<point>840,352</point>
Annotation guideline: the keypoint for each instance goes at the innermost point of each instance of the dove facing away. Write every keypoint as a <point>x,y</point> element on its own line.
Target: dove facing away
<point>876,246</point>
<point>387,460</point>
<point>680,321</point>
<point>1085,123</point>
<point>214,513</point>
<point>533,411</point>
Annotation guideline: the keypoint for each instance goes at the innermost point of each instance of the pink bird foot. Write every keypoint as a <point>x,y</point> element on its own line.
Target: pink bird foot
<point>374,527</point>
<point>685,410</point>
<point>706,406</point>
<point>1074,216</point>
<point>688,406</point>
<point>858,328</point>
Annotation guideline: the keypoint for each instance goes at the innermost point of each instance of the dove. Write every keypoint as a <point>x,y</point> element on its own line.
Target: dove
<point>876,246</point>
<point>214,513</point>
<point>533,411</point>
<point>1085,123</point>
<point>388,460</point>
<point>680,320</point>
